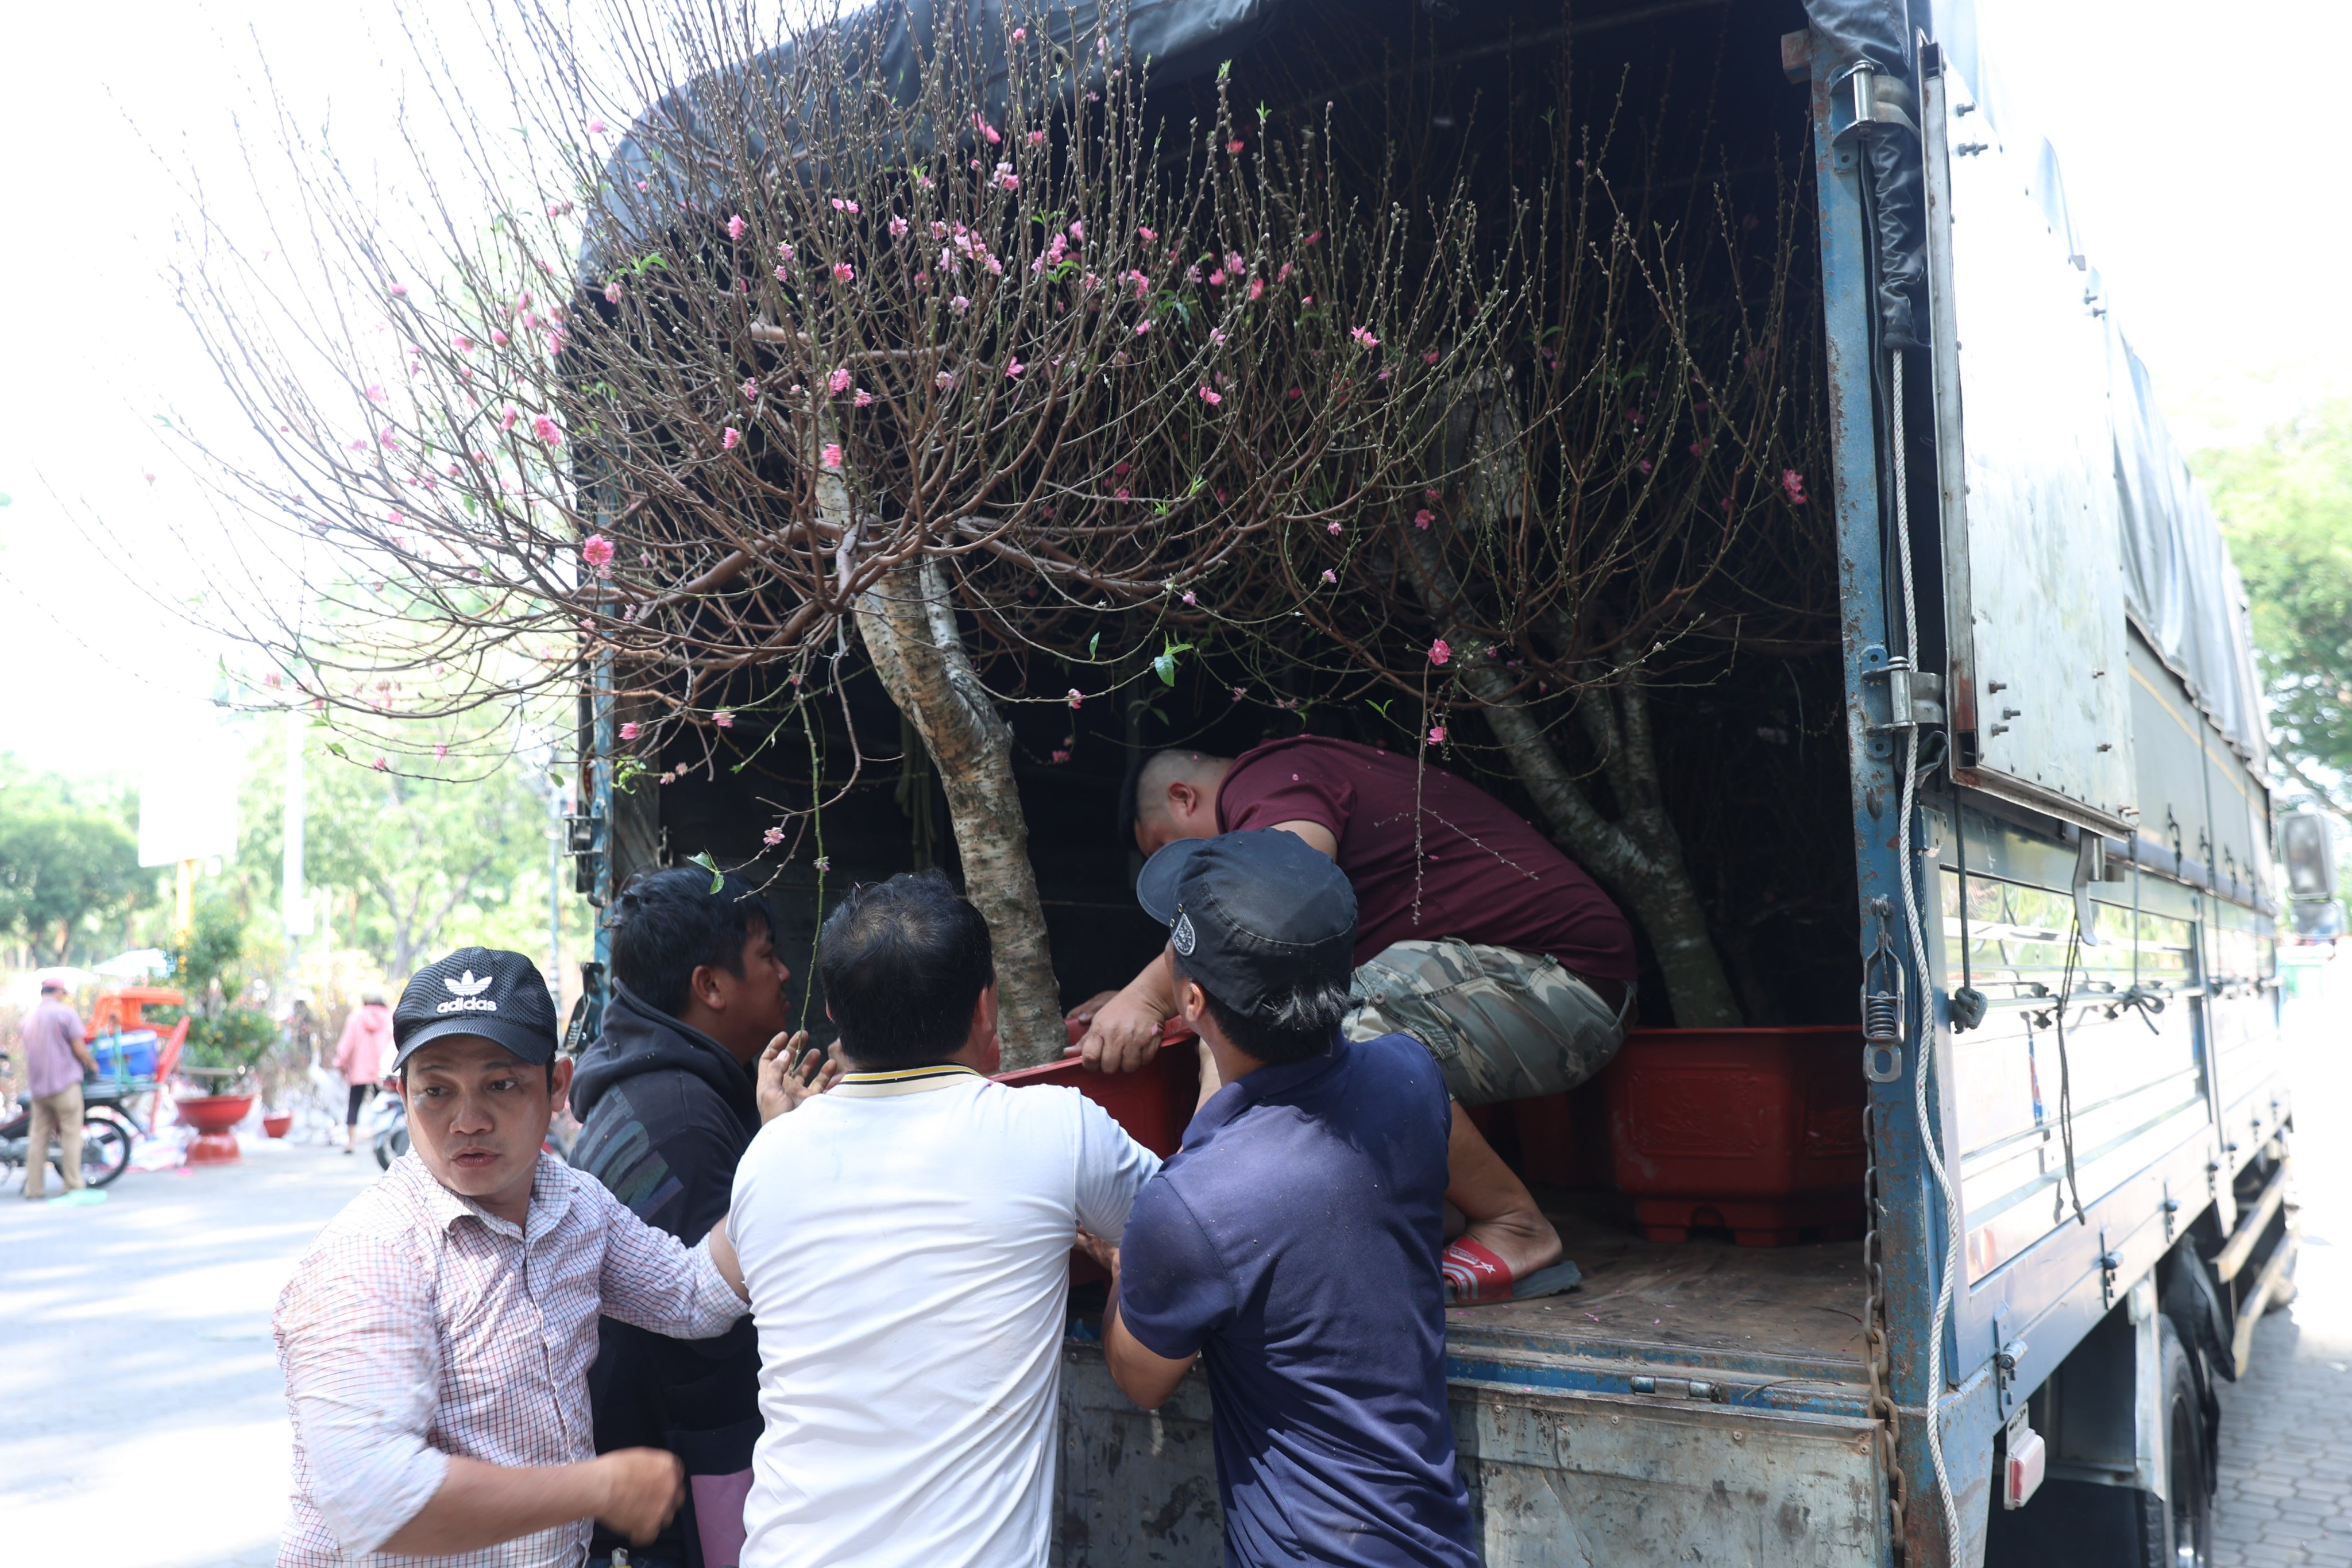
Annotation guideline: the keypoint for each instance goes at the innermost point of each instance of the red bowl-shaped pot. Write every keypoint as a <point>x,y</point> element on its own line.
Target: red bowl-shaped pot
<point>277,1126</point>
<point>213,1116</point>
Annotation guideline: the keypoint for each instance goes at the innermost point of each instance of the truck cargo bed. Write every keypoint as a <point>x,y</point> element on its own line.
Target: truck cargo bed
<point>1777,1327</point>
<point>1691,1401</point>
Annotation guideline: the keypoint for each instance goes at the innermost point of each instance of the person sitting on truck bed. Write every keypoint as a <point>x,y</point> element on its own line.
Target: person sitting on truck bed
<point>905,1239</point>
<point>1476,935</point>
<point>667,1103</point>
<point>1293,1243</point>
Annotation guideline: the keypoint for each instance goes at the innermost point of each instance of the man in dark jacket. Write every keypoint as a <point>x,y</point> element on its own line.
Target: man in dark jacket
<point>668,1102</point>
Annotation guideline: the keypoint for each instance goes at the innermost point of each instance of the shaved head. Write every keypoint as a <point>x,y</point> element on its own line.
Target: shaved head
<point>1176,796</point>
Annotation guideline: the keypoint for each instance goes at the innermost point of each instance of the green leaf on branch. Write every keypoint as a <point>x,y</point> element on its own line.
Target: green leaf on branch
<point>1164,666</point>
<point>1093,643</point>
<point>717,876</point>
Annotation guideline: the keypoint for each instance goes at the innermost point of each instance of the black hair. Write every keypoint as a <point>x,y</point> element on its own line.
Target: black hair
<point>1288,1027</point>
<point>666,924</point>
<point>903,963</point>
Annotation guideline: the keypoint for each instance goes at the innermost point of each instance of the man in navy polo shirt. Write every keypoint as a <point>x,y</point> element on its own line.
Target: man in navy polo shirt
<point>1294,1240</point>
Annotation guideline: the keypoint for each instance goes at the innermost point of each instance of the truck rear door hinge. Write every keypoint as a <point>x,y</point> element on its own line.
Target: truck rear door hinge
<point>1913,697</point>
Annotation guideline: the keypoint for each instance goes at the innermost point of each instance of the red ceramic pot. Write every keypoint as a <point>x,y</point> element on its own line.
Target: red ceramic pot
<point>275,1126</point>
<point>213,1116</point>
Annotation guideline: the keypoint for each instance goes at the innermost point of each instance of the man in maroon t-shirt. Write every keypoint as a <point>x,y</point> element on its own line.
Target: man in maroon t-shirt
<point>1475,934</point>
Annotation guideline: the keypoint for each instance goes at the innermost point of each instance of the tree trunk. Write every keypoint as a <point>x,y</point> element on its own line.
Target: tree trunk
<point>1639,856</point>
<point>911,631</point>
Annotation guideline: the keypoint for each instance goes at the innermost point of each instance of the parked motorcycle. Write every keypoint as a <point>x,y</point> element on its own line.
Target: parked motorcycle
<point>106,1134</point>
<point>384,1125</point>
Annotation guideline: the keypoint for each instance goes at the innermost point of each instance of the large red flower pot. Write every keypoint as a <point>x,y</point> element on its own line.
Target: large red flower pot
<point>213,1116</point>
<point>279,1125</point>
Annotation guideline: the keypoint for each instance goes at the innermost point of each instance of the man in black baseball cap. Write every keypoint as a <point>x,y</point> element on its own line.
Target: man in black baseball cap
<point>437,1337</point>
<point>1293,1242</point>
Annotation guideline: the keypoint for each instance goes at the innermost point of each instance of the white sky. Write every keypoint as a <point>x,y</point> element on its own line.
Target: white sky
<point>2193,164</point>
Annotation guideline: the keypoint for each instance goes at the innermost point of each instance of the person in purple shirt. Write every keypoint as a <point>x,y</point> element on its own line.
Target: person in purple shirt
<point>56,1057</point>
<point>1292,1244</point>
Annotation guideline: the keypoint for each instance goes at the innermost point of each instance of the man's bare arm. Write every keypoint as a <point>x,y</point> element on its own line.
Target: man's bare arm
<point>1124,1032</point>
<point>634,1490</point>
<point>722,1252</point>
<point>1144,1375</point>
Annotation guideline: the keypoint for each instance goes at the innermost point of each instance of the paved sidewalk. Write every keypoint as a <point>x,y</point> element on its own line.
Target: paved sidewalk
<point>2286,1430</point>
<point>147,1422</point>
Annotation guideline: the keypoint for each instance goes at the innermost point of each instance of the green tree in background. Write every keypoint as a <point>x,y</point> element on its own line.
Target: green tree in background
<point>407,866</point>
<point>2286,504</point>
<point>70,873</point>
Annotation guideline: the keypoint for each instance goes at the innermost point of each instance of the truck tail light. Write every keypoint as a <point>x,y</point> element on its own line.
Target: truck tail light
<point>2021,1476</point>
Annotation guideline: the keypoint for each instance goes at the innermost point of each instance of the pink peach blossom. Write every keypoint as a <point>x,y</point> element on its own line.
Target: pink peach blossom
<point>897,226</point>
<point>750,390</point>
<point>723,719</point>
<point>596,127</point>
<point>832,458</point>
<point>1363,337</point>
<point>597,551</point>
<point>1211,396</point>
<point>1440,651</point>
<point>1077,698</point>
<point>1328,575</point>
<point>1437,735</point>
<point>1794,483</point>
<point>628,731</point>
<point>613,292</point>
<point>785,251</point>
<point>863,399</point>
<point>735,227</point>
<point>730,438</point>
<point>1423,518</point>
<point>773,836</point>
<point>843,272</point>
<point>545,429</point>
<point>838,381</point>
<point>1332,529</point>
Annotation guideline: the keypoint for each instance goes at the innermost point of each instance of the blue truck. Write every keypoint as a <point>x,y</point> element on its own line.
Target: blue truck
<point>2078,1115</point>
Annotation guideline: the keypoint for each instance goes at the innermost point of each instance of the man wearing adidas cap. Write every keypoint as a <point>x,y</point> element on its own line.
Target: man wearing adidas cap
<point>436,1336</point>
<point>1292,1243</point>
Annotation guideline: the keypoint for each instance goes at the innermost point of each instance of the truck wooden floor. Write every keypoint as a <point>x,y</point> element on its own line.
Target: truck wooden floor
<point>1772,1328</point>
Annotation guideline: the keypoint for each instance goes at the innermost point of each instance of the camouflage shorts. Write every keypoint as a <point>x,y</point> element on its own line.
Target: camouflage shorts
<point>1503,1024</point>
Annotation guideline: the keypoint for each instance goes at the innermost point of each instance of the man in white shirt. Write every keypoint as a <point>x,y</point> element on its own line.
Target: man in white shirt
<point>905,1240</point>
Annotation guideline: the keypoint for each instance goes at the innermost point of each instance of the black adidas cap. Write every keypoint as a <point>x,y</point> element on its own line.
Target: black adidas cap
<point>483,990</point>
<point>1251,914</point>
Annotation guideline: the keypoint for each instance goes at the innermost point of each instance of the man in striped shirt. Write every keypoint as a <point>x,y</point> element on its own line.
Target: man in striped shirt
<point>437,1337</point>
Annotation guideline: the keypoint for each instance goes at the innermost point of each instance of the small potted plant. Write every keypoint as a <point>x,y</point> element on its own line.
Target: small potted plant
<point>218,1064</point>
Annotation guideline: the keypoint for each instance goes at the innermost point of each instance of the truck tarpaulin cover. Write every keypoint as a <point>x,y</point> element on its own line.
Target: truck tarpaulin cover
<point>669,152</point>
<point>2180,588</point>
<point>1879,35</point>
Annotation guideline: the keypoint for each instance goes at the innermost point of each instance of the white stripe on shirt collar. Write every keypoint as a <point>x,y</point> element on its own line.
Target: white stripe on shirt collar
<point>901,1081</point>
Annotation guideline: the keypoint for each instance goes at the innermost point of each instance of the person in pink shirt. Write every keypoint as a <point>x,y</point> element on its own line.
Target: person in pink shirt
<point>360,1056</point>
<point>55,1059</point>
